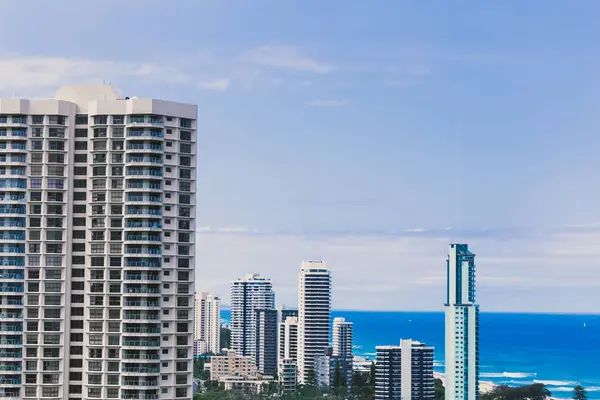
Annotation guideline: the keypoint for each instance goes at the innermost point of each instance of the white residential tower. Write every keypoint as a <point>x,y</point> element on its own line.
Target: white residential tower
<point>314,311</point>
<point>249,294</point>
<point>97,222</point>
<point>207,322</point>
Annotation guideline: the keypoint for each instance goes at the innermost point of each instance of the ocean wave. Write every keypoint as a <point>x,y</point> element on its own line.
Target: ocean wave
<point>513,375</point>
<point>554,383</point>
<point>561,389</point>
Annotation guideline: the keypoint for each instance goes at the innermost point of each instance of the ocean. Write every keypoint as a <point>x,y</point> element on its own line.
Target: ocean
<point>559,350</point>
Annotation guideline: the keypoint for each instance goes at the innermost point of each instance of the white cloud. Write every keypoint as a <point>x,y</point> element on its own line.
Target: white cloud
<point>33,75</point>
<point>329,103</point>
<point>219,84</point>
<point>286,57</point>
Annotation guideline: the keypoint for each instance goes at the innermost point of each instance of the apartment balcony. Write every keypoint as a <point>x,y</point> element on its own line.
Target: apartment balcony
<point>133,317</point>
<point>141,290</point>
<point>141,277</point>
<point>141,331</point>
<point>10,289</point>
<point>144,252</point>
<point>137,369</point>
<point>142,239</point>
<point>13,147</point>
<point>8,302</point>
<point>11,236</point>
<point>145,121</point>
<point>8,199</point>
<point>144,148</point>
<point>153,186</point>
<point>139,396</point>
<point>13,160</point>
<point>135,263</point>
<point>135,384</point>
<point>12,367</point>
<point>10,383</point>
<point>143,225</point>
<point>142,212</point>
<point>10,329</point>
<point>13,121</point>
<point>7,316</point>
<point>10,343</point>
<point>133,160</point>
<point>151,134</point>
<point>143,199</point>
<point>8,355</point>
<point>10,394</point>
<point>142,304</point>
<point>140,357</point>
<point>128,343</point>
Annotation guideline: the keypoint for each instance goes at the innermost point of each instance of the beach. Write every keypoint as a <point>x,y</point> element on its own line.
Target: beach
<point>484,386</point>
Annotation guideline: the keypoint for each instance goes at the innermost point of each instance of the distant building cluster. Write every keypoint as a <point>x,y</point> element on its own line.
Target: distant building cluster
<point>305,347</point>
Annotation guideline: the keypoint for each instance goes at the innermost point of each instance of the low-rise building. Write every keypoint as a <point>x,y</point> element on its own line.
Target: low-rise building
<point>288,379</point>
<point>232,365</point>
<point>332,371</point>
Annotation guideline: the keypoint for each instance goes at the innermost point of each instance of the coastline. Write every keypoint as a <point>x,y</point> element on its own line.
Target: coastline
<point>484,386</point>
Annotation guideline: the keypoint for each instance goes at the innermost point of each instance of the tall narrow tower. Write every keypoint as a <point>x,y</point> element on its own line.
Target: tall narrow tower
<point>462,326</point>
<point>248,295</point>
<point>314,310</point>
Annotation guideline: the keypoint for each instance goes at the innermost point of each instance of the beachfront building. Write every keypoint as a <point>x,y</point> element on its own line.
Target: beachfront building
<point>266,342</point>
<point>207,322</point>
<point>249,294</point>
<point>404,372</point>
<point>342,337</point>
<point>98,203</point>
<point>314,311</point>
<point>462,326</point>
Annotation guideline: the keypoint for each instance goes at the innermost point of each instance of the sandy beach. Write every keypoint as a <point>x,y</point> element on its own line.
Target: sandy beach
<point>484,386</point>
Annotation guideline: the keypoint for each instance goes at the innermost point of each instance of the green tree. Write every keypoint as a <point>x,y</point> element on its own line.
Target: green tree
<point>440,391</point>
<point>198,367</point>
<point>579,393</point>
<point>372,374</point>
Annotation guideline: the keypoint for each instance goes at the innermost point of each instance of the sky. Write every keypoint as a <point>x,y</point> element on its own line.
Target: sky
<point>366,134</point>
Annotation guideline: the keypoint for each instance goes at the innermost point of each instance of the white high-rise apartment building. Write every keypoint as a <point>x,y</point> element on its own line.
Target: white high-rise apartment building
<point>97,211</point>
<point>207,321</point>
<point>314,310</point>
<point>249,294</point>
<point>288,339</point>
<point>462,326</point>
<point>342,337</point>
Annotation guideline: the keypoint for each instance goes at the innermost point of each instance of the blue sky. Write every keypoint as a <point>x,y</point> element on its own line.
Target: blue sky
<point>370,134</point>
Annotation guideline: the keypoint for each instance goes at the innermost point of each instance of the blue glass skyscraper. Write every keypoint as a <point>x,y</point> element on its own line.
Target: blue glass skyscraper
<point>462,326</point>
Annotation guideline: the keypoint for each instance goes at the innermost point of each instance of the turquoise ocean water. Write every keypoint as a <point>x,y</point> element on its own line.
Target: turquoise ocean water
<point>560,350</point>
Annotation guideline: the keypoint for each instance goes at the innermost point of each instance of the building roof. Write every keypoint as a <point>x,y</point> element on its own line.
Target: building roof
<point>83,94</point>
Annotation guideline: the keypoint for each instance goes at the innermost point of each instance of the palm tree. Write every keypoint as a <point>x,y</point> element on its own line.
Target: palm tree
<point>579,393</point>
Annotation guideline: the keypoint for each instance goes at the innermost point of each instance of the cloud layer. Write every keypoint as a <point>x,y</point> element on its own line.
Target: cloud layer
<point>406,270</point>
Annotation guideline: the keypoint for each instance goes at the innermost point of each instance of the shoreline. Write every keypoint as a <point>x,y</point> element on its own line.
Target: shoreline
<point>484,386</point>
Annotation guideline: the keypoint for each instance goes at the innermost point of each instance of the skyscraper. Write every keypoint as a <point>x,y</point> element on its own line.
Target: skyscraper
<point>99,204</point>
<point>342,337</point>
<point>207,323</point>
<point>266,342</point>
<point>249,294</point>
<point>314,310</point>
<point>404,372</point>
<point>462,326</point>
